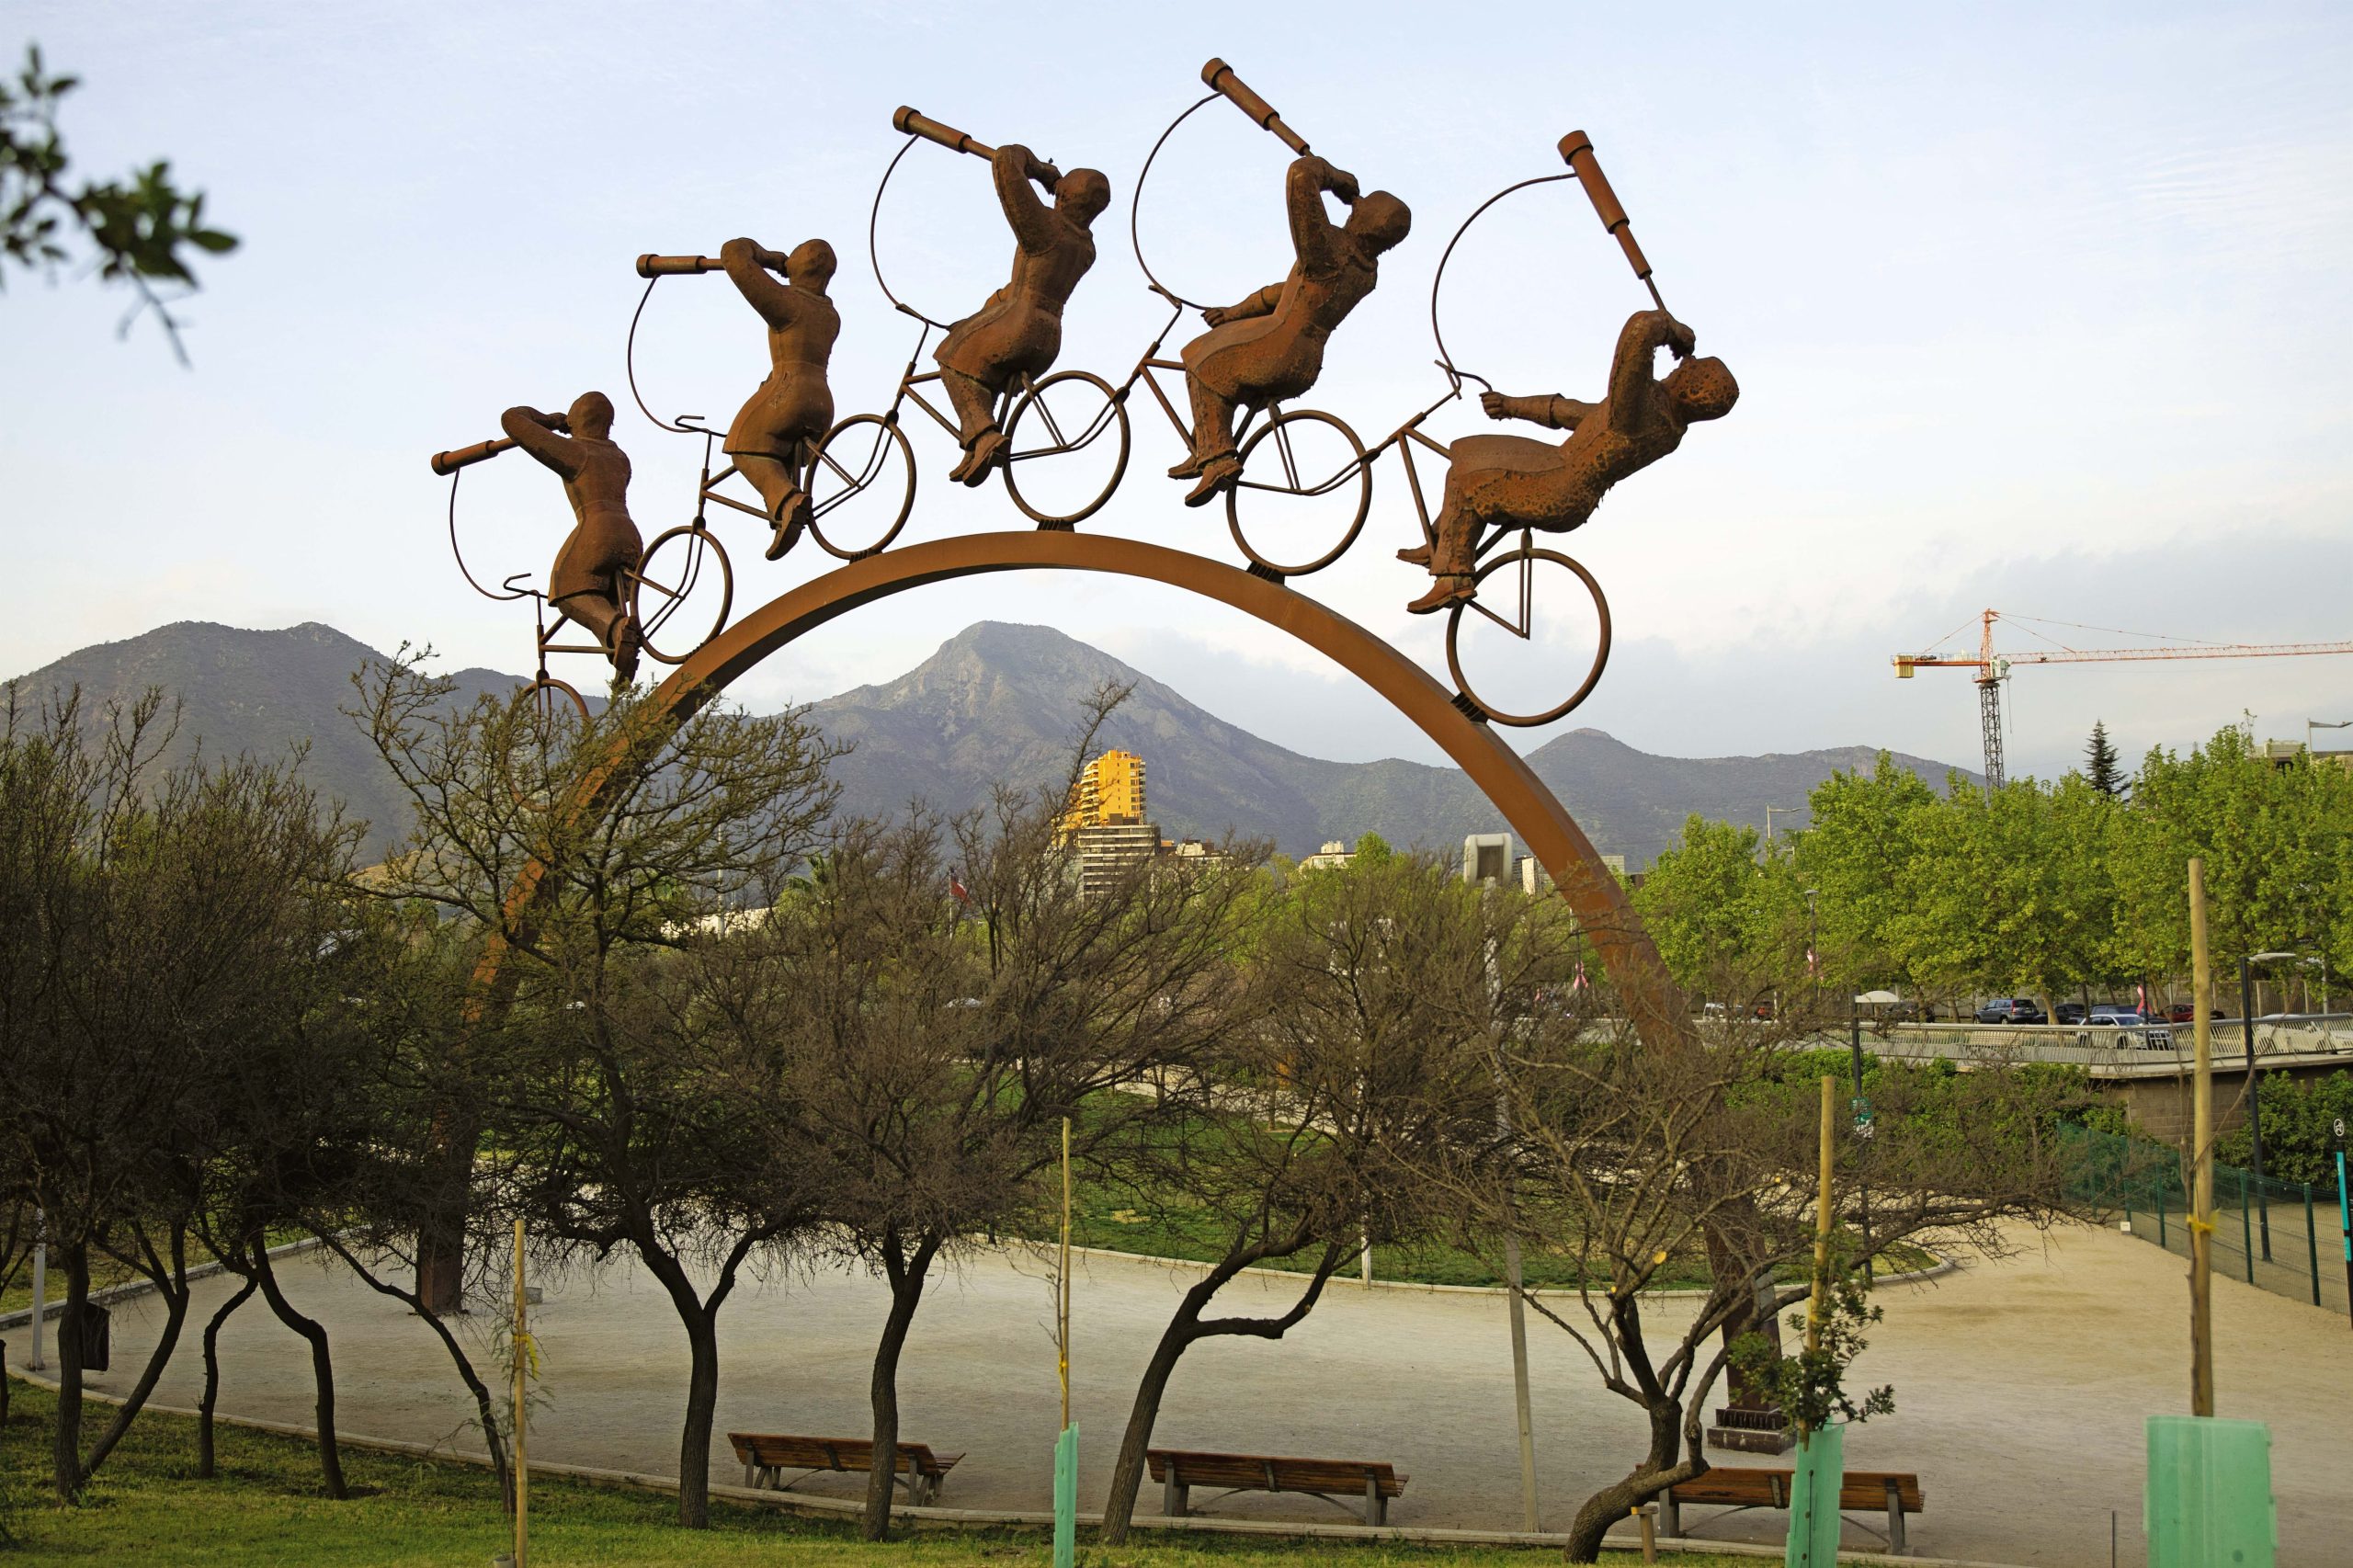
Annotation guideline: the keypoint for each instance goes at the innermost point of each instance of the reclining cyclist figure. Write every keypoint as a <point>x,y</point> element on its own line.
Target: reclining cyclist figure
<point>780,426</point>
<point>1020,330</point>
<point>587,580</point>
<point>1269,348</point>
<point>1513,481</point>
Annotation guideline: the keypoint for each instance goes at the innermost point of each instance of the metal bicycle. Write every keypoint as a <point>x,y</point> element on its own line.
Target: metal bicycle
<point>673,586</point>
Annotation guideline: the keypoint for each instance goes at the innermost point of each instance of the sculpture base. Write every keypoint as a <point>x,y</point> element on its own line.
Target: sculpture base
<point>1748,1431</point>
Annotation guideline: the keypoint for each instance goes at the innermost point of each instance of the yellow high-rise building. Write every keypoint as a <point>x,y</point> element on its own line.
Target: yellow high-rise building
<point>1110,793</point>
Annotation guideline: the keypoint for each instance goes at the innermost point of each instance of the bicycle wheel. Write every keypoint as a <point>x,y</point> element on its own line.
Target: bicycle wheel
<point>682,577</point>
<point>1544,624</point>
<point>1069,413</point>
<point>861,484</point>
<point>1310,484</point>
<point>549,697</point>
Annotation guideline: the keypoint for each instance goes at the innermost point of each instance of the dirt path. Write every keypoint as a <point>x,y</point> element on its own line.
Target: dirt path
<point>2020,1389</point>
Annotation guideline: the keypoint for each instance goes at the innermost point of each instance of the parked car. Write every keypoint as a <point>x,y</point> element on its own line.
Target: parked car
<point>2185,1013</point>
<point>2115,1018</point>
<point>2070,1011</point>
<point>1909,1011</point>
<point>2012,1010</point>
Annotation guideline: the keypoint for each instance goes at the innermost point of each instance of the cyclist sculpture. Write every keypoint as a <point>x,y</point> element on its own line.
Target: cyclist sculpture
<point>1269,348</point>
<point>588,581</point>
<point>1511,482</point>
<point>780,426</point>
<point>1018,331</point>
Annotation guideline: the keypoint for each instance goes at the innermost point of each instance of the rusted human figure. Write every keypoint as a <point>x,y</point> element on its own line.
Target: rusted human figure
<point>588,581</point>
<point>1020,330</point>
<point>1515,482</point>
<point>1270,346</point>
<point>778,428</point>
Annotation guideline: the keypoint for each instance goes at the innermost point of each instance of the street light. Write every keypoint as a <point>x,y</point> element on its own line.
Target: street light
<point>2312,725</point>
<point>2254,1080</point>
<point>1784,811</point>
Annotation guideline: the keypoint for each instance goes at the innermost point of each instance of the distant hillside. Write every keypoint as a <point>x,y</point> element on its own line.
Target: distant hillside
<point>1000,701</point>
<point>260,693</point>
<point>997,701</point>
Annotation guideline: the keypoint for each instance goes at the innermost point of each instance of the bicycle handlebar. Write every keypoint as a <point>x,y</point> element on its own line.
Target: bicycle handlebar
<point>1220,78</point>
<point>1576,151</point>
<point>651,266</point>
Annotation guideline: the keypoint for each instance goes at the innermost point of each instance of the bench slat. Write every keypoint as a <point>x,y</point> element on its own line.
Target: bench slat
<point>776,1450</point>
<point>1271,1472</point>
<point>1758,1486</point>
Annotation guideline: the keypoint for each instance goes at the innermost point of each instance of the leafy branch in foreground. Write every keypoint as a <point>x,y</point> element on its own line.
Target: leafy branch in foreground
<point>138,225</point>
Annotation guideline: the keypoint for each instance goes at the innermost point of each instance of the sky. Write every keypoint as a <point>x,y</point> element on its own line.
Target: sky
<point>2042,308</point>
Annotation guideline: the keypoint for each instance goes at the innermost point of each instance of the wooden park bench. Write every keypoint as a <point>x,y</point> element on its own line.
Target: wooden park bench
<point>1735,1487</point>
<point>767,1456</point>
<point>1178,1471</point>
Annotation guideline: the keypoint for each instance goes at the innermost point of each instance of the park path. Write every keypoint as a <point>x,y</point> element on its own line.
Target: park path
<point>2020,1385</point>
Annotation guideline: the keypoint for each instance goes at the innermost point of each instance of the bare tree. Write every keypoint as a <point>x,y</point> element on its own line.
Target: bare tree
<point>599,861</point>
<point>160,920</point>
<point>1371,1049</point>
<point>1633,1158</point>
<point>946,1036</point>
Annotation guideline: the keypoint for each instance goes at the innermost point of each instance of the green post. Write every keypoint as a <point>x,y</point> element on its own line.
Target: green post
<point>2161,1215</point>
<point>1066,1496</point>
<point>2246,1230</point>
<point>2209,1494</point>
<point>1813,1499</point>
<point>2312,1241</point>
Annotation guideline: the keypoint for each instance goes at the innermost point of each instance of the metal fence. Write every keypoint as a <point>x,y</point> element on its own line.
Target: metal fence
<point>2281,1236</point>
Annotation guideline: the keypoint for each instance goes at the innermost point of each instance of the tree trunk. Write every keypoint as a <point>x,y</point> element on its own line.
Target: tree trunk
<point>1128,1470</point>
<point>441,1231</point>
<point>1658,1471</point>
<point>171,1283</point>
<point>494,1440</point>
<point>321,1368</point>
<point>702,1400</point>
<point>204,1468</point>
<point>906,1294</point>
<point>1185,1328</point>
<point>66,1440</point>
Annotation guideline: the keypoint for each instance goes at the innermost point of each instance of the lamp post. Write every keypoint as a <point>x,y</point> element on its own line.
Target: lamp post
<point>2254,1082</point>
<point>2312,725</point>
<point>1769,812</point>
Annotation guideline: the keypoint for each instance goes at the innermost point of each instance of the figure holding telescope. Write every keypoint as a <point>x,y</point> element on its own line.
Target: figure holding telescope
<point>780,426</point>
<point>588,582</point>
<point>1513,481</point>
<point>1018,331</point>
<point>1270,346</point>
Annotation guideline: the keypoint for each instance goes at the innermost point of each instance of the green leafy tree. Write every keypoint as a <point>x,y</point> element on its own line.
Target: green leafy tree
<point>1854,855</point>
<point>1728,924</point>
<point>142,229</point>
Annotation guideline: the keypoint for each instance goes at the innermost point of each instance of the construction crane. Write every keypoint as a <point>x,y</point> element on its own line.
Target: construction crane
<point>1994,668</point>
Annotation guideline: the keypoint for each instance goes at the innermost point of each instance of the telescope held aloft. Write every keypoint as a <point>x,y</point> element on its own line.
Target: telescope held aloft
<point>1576,151</point>
<point>1221,79</point>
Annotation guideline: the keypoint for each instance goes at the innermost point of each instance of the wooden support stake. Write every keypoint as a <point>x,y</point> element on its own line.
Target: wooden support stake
<point>2201,1143</point>
<point>522,1376</point>
<point>1062,1305</point>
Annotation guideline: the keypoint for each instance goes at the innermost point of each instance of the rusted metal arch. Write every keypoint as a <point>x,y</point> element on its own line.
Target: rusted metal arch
<point>1532,809</point>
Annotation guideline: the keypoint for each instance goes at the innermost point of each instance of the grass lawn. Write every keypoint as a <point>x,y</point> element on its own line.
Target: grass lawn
<point>264,1508</point>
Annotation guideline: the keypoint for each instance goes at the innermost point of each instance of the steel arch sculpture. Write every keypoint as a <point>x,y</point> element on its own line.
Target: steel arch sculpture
<point>1532,809</point>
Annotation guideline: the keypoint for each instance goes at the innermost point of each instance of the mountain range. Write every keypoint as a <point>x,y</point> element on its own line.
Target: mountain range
<point>996,702</point>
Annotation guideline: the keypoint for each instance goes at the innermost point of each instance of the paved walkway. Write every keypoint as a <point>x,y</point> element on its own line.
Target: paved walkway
<point>2020,1388</point>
